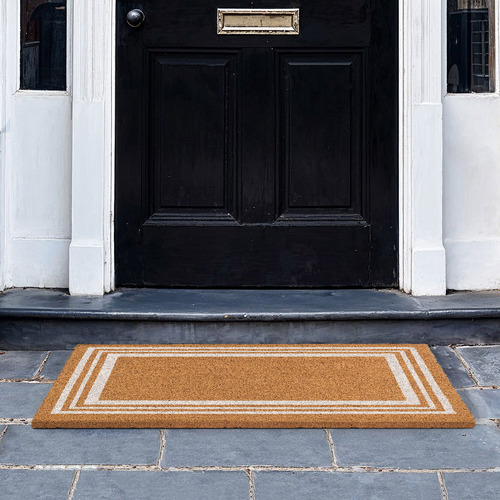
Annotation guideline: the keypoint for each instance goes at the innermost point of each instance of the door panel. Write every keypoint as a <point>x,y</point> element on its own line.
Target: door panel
<point>264,258</point>
<point>322,116</point>
<point>257,160</point>
<point>192,119</point>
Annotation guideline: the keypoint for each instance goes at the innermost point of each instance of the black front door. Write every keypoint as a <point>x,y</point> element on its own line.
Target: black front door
<point>257,160</point>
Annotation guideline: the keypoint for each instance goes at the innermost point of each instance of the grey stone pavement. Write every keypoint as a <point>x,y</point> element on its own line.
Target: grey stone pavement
<point>254,464</point>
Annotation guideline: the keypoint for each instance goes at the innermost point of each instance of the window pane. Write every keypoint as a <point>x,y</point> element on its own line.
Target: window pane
<point>471,45</point>
<point>43,44</point>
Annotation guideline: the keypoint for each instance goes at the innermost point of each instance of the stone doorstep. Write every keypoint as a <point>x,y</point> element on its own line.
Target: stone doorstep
<point>247,305</point>
<point>50,320</point>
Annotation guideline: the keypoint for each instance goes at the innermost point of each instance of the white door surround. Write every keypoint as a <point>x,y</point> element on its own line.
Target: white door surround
<point>91,250</point>
<point>91,259</point>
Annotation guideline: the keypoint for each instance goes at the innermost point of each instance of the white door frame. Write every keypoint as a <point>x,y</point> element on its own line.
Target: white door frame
<point>91,260</point>
<point>422,255</point>
<point>3,127</point>
<point>421,46</point>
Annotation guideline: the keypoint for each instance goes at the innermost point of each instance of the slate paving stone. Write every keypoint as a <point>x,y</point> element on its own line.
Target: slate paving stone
<point>125,485</point>
<point>482,403</point>
<point>235,447</point>
<point>19,400</point>
<point>485,363</point>
<point>55,363</point>
<point>23,445</point>
<point>419,448</point>
<point>346,486</point>
<point>405,449</point>
<point>473,486</point>
<point>452,366</point>
<point>20,364</point>
<point>31,484</point>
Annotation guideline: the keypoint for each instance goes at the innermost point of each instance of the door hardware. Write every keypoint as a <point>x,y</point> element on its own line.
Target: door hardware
<point>257,21</point>
<point>135,18</point>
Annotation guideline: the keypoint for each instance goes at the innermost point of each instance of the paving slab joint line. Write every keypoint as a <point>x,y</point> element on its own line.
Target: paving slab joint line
<point>2,434</point>
<point>444,491</point>
<point>42,364</point>
<point>251,482</point>
<point>479,388</point>
<point>487,421</point>
<point>26,380</point>
<point>253,468</point>
<point>71,491</point>
<point>340,469</point>
<point>15,421</point>
<point>163,438</point>
<point>390,470</point>
<point>329,438</point>
<point>466,366</point>
<point>87,467</point>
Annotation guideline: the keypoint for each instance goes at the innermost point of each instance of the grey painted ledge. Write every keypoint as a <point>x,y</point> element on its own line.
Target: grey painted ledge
<point>52,319</point>
<point>247,305</point>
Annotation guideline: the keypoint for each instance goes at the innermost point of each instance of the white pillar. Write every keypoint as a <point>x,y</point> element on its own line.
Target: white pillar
<point>90,260</point>
<point>3,127</point>
<point>423,259</point>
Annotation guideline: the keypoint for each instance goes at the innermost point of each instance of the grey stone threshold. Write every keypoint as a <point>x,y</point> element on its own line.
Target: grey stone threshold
<point>175,305</point>
<point>49,320</point>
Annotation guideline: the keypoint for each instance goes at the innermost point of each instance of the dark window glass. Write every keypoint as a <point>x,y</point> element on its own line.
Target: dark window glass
<point>43,44</point>
<point>471,41</point>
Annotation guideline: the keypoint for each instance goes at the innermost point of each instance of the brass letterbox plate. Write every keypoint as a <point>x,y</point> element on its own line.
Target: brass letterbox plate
<point>257,21</point>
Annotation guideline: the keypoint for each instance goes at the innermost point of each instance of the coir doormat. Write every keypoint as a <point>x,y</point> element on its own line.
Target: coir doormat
<point>165,386</point>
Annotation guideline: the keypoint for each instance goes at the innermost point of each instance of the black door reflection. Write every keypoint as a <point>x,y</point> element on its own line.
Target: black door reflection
<point>43,44</point>
<point>470,46</point>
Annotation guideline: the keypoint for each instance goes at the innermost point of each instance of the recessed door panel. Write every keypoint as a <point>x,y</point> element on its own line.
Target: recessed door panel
<point>322,115</point>
<point>192,139</point>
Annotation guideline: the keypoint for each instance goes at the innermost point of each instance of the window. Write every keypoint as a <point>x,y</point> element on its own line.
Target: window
<point>43,44</point>
<point>471,44</point>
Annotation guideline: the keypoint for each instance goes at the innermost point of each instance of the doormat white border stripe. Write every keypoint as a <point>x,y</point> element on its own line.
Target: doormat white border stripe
<point>94,405</point>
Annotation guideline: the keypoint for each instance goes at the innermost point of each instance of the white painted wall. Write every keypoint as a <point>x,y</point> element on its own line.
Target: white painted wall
<point>37,169</point>
<point>471,199</point>
<point>39,155</point>
<point>472,191</point>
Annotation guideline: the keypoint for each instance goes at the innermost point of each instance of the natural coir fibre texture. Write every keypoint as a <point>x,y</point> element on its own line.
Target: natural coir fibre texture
<point>252,386</point>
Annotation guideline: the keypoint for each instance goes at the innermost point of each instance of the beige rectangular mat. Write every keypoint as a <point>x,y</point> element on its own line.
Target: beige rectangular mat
<point>262,385</point>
